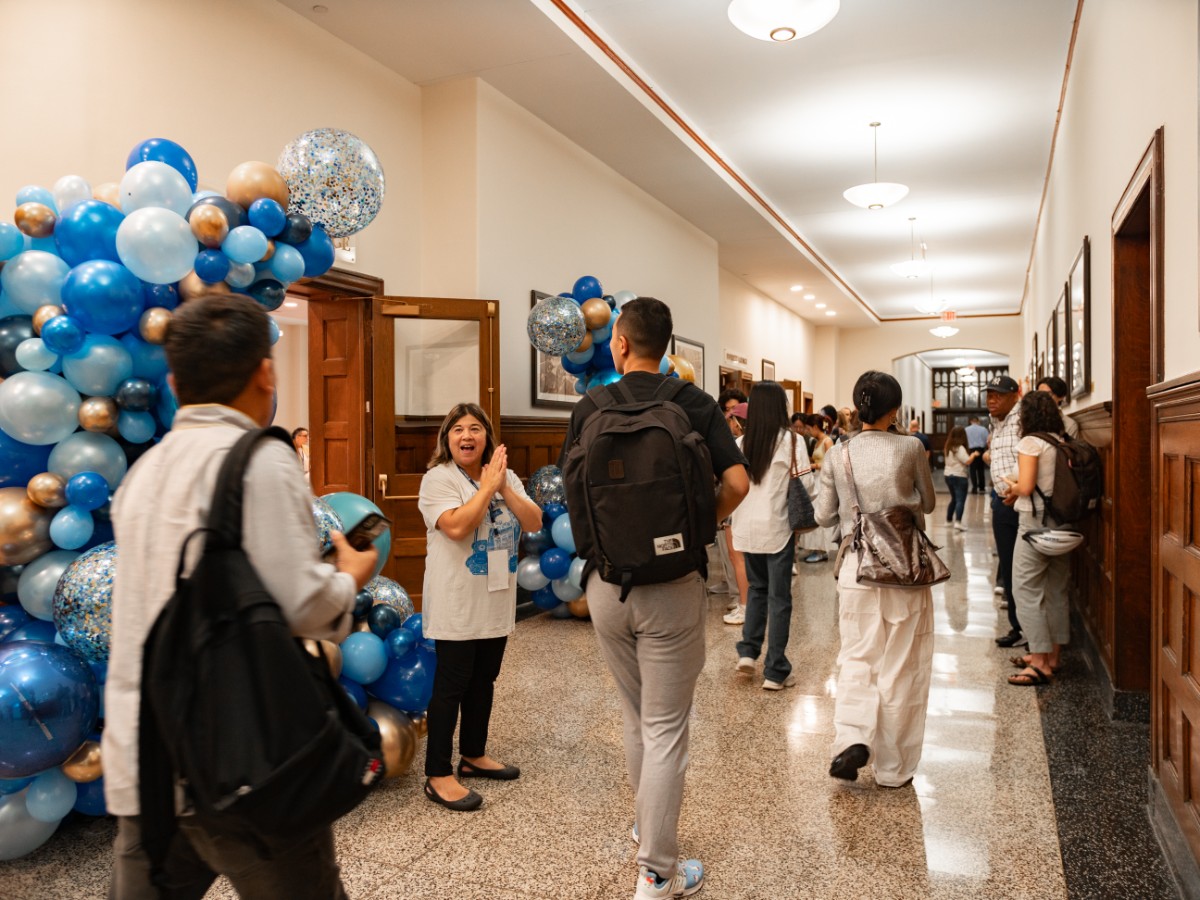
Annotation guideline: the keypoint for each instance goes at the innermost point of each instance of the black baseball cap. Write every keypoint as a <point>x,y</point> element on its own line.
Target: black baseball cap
<point>1002,384</point>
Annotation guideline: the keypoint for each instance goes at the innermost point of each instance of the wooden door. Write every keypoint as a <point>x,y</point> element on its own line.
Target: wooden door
<point>429,354</point>
<point>795,395</point>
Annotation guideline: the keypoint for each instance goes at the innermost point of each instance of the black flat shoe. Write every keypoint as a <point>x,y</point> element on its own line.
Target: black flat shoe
<point>465,804</point>
<point>847,763</point>
<point>1012,639</point>
<point>508,773</point>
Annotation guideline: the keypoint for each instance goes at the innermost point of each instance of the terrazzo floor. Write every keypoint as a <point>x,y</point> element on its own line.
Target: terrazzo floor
<point>760,811</point>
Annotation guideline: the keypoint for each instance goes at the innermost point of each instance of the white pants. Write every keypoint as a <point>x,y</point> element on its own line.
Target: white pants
<point>884,670</point>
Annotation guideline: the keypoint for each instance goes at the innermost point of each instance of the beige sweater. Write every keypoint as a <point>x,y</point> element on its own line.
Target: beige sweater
<point>889,470</point>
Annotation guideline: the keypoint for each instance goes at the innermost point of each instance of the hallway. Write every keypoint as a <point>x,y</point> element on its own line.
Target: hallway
<point>760,811</point>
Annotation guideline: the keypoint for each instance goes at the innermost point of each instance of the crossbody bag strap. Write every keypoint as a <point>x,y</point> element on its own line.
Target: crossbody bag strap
<point>853,487</point>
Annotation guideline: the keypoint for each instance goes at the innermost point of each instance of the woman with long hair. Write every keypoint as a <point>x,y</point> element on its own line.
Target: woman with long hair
<point>762,533</point>
<point>958,462</point>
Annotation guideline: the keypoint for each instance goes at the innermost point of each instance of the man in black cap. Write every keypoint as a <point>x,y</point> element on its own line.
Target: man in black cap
<point>1003,394</point>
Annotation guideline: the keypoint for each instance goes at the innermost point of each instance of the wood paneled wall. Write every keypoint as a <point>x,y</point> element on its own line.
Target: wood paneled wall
<point>532,442</point>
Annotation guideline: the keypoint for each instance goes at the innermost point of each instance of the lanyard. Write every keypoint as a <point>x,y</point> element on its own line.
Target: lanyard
<point>493,507</point>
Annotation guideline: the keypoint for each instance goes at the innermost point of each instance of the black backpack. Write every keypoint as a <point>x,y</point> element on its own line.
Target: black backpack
<point>264,740</point>
<point>1078,479</point>
<point>640,488</point>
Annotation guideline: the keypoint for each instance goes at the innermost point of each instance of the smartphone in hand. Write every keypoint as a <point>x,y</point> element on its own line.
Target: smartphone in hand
<point>361,536</point>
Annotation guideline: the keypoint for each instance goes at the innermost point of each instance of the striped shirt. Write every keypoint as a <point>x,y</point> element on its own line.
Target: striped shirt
<point>1004,450</point>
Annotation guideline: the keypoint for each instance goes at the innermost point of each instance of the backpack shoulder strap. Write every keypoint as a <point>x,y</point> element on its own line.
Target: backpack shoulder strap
<point>225,514</point>
<point>669,388</point>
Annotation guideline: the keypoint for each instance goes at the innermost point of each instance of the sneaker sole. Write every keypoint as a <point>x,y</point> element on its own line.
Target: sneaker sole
<point>743,669</point>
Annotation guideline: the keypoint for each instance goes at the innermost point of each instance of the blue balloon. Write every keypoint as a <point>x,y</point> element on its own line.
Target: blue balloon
<point>269,293</point>
<point>276,334</point>
<point>87,490</point>
<point>571,367</point>
<point>50,702</point>
<point>362,600</point>
<point>550,512</point>
<point>562,611</point>
<point>580,356</point>
<point>71,527</point>
<point>88,230</point>
<point>63,335</point>
<point>135,395</point>
<point>407,683</point>
<point>167,405</point>
<point>211,266</point>
<point>664,366</point>
<point>12,241</point>
<point>34,278</point>
<point>355,690</point>
<point>241,275</point>
<point>544,598</point>
<point>99,367</point>
<point>603,334</point>
<point>416,624</point>
<point>536,543</point>
<point>603,358</point>
<point>317,252</point>
<point>21,833</point>
<point>11,618</point>
<point>33,355</point>
<point>555,563</point>
<point>565,591</point>
<point>352,509</point>
<point>287,265</point>
<point>561,532</point>
<point>165,151</point>
<point>51,796</point>
<point>364,657</point>
<point>33,193</point>
<point>103,296</point>
<point>383,620</point>
<point>267,216</point>
<point>20,461</point>
<point>575,573</point>
<point>89,798</point>
<point>136,427</point>
<point>604,376</point>
<point>586,288</point>
<point>581,385</point>
<point>13,785</point>
<point>245,244</point>
<point>33,630</point>
<point>400,642</point>
<point>164,295</point>
<point>149,360</point>
<point>85,451</point>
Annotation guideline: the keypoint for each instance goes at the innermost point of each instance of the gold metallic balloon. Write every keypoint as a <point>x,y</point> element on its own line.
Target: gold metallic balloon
<point>398,737</point>
<point>109,192</point>
<point>420,723</point>
<point>685,369</point>
<point>44,314</point>
<point>210,225</point>
<point>24,527</point>
<point>153,325</point>
<point>84,764</point>
<point>48,489</point>
<point>192,286</point>
<point>333,654</point>
<point>585,343</point>
<point>596,313</point>
<point>579,608</point>
<point>98,414</point>
<point>254,180</point>
<point>35,219</point>
<point>270,250</point>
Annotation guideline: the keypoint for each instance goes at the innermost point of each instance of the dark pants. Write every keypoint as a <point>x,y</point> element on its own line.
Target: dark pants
<point>958,497</point>
<point>464,680</point>
<point>299,870</point>
<point>978,473</point>
<point>1004,529</point>
<point>769,609</point>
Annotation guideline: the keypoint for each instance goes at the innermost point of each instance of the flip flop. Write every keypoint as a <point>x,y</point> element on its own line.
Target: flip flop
<point>1031,677</point>
<point>1020,662</point>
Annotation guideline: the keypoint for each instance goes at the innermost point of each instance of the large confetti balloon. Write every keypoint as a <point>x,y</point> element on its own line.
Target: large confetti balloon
<point>334,178</point>
<point>384,591</point>
<point>546,486</point>
<point>327,521</point>
<point>83,603</point>
<point>556,325</point>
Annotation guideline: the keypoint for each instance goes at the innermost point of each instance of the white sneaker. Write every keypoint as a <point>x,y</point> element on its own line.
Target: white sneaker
<point>745,665</point>
<point>689,878</point>
<point>959,526</point>
<point>769,685</point>
<point>998,590</point>
<point>736,617</point>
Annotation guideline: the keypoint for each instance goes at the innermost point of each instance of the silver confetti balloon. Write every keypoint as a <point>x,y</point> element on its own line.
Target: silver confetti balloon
<point>556,325</point>
<point>83,602</point>
<point>327,521</point>
<point>546,486</point>
<point>389,593</point>
<point>334,178</point>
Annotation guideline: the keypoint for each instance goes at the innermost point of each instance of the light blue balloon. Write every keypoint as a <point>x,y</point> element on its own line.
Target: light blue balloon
<point>34,356</point>
<point>581,385</point>
<point>34,278</point>
<point>35,587</point>
<point>364,657</point>
<point>200,195</point>
<point>245,244</point>
<point>136,427</point>
<point>33,193</point>
<point>575,573</point>
<point>156,245</point>
<point>50,797</point>
<point>529,574</point>
<point>12,241</point>
<point>38,408</point>
<point>560,530</point>
<point>582,356</point>
<point>275,333</point>
<point>664,367</point>
<point>86,451</point>
<point>599,335</point>
<point>286,264</point>
<point>21,833</point>
<point>149,360</point>
<point>564,590</point>
<point>241,275</point>
<point>71,528</point>
<point>99,367</point>
<point>7,307</point>
<point>154,184</point>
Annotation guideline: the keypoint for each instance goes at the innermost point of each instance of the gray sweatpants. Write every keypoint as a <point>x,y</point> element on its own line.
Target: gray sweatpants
<point>653,644</point>
<point>1040,590</point>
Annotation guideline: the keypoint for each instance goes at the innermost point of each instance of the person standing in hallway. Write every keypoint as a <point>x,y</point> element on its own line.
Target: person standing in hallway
<point>977,443</point>
<point>914,429</point>
<point>1003,394</point>
<point>886,660</point>
<point>733,568</point>
<point>1057,388</point>
<point>957,461</point>
<point>653,641</point>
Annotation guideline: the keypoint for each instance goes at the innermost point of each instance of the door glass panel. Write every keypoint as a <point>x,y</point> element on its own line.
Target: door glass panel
<point>972,395</point>
<point>437,365</point>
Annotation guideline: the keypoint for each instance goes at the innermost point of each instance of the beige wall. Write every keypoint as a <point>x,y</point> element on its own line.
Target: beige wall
<point>1135,69</point>
<point>291,373</point>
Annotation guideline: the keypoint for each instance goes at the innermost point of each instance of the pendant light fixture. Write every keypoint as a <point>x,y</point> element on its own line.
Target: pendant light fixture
<point>913,267</point>
<point>930,307</point>
<point>781,21</point>
<point>877,194</point>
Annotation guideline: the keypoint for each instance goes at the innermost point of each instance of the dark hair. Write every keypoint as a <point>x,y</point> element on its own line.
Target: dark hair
<point>875,395</point>
<point>830,412</point>
<point>297,431</point>
<point>441,450</point>
<point>646,323</point>
<point>1039,412</point>
<point>816,420</point>
<point>768,416</point>
<point>725,396</point>
<point>974,420</point>
<point>1057,386</point>
<point>214,345</point>
<point>799,417</point>
<point>956,438</point>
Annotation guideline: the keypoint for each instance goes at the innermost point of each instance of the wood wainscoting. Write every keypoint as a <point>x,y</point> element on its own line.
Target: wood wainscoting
<point>532,442</point>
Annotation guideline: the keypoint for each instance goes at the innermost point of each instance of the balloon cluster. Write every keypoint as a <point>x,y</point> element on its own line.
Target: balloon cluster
<point>551,571</point>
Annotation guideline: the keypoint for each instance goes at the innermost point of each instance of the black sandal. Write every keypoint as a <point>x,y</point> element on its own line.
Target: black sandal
<point>506,773</point>
<point>1032,676</point>
<point>464,804</point>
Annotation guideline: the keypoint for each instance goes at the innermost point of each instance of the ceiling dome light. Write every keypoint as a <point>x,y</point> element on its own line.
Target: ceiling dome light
<point>797,288</point>
<point>944,331</point>
<point>877,194</point>
<point>780,21</point>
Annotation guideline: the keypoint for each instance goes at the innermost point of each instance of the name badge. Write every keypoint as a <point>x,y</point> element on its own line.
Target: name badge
<point>497,573</point>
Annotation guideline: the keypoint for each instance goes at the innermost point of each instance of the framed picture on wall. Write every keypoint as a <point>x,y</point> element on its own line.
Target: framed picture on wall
<point>1062,340</point>
<point>768,370</point>
<point>693,352</point>
<point>550,385</point>
<point>1079,290</point>
<point>1048,350</point>
<point>1033,364</point>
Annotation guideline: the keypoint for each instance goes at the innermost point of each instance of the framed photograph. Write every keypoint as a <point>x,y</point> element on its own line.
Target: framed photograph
<point>1048,350</point>
<point>1079,292</point>
<point>768,370</point>
<point>1033,364</point>
<point>1062,340</point>
<point>693,352</point>
<point>550,385</point>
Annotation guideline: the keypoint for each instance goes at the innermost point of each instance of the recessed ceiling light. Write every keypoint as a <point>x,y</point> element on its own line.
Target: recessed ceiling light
<point>822,305</point>
<point>781,20</point>
<point>292,304</point>
<point>810,296</point>
<point>797,288</point>
<point>830,312</point>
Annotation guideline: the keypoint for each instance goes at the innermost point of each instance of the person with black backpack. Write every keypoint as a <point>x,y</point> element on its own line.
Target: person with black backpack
<point>219,352</point>
<point>639,463</point>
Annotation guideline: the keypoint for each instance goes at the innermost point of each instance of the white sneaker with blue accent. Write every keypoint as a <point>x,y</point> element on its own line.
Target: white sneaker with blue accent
<point>689,878</point>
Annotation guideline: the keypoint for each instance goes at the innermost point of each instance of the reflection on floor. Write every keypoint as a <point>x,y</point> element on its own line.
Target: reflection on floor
<point>760,810</point>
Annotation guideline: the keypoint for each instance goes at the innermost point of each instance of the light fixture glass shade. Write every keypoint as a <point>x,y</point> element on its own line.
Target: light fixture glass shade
<point>779,21</point>
<point>912,268</point>
<point>876,195</point>
<point>930,307</point>
<point>943,331</point>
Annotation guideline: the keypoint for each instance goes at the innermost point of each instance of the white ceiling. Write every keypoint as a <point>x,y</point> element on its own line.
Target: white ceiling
<point>967,91</point>
<point>943,359</point>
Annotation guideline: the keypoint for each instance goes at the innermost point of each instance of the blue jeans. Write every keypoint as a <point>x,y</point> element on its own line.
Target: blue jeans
<point>769,609</point>
<point>958,497</point>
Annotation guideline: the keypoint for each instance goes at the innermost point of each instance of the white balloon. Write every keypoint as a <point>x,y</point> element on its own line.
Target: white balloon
<point>34,278</point>
<point>70,189</point>
<point>620,298</point>
<point>156,245</point>
<point>155,184</point>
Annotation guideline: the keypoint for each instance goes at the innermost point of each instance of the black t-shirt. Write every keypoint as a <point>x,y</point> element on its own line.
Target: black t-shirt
<point>700,408</point>
<point>924,439</point>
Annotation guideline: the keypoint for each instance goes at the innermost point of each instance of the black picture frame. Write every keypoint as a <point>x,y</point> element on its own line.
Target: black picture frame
<point>1034,375</point>
<point>1048,350</point>
<point>693,352</point>
<point>1062,339</point>
<point>1079,304</point>
<point>768,370</point>
<point>550,386</point>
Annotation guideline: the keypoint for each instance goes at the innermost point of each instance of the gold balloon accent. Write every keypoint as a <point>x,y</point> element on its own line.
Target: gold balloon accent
<point>333,654</point>
<point>98,414</point>
<point>398,737</point>
<point>109,192</point>
<point>361,625</point>
<point>24,527</point>
<point>585,343</point>
<point>420,723</point>
<point>254,180</point>
<point>192,286</point>
<point>579,608</point>
<point>270,250</point>
<point>152,326</point>
<point>685,369</point>
<point>84,764</point>
<point>44,314</point>
<point>210,225</point>
<point>35,219</point>
<point>48,489</point>
<point>596,313</point>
